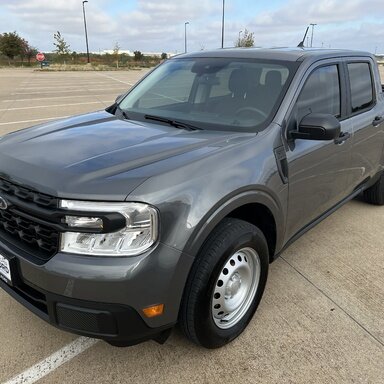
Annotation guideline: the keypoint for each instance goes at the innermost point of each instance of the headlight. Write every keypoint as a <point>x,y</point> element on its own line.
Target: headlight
<point>139,234</point>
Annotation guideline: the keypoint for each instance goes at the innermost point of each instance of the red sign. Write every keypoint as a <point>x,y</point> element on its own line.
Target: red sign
<point>40,56</point>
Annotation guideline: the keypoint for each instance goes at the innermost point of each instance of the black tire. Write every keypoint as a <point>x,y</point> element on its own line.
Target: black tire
<point>196,318</point>
<point>375,194</point>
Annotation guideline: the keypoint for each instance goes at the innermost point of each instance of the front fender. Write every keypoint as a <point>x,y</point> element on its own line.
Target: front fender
<point>227,205</point>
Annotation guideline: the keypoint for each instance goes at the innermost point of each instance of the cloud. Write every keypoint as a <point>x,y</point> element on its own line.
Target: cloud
<point>40,19</point>
<point>339,24</point>
<point>296,12</point>
<point>163,22</point>
<point>154,25</point>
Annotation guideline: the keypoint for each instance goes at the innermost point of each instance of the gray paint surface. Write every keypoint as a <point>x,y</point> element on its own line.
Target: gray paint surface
<point>298,334</point>
<point>185,175</point>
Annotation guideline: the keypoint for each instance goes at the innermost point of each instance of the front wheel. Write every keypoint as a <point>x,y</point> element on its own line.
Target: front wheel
<point>225,285</point>
<point>375,194</point>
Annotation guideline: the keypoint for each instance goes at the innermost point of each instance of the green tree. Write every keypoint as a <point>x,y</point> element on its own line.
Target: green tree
<point>11,45</point>
<point>28,51</point>
<point>164,56</point>
<point>62,48</point>
<point>138,56</point>
<point>246,40</point>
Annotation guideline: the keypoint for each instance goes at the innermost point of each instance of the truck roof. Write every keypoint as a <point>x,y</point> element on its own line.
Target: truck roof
<point>286,54</point>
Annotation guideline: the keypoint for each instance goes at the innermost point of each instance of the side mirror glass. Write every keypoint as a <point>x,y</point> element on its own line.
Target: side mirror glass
<point>317,126</point>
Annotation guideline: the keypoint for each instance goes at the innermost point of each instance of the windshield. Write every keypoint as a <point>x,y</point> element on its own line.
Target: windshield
<point>212,93</point>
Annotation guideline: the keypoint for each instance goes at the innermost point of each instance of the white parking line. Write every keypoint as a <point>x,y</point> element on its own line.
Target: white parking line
<point>66,85</point>
<point>51,363</point>
<point>32,121</point>
<point>53,105</point>
<point>114,78</point>
<point>70,90</point>
<point>67,81</point>
<point>56,97</point>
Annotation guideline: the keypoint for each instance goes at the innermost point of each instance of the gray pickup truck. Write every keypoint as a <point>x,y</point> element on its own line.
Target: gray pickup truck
<point>168,207</point>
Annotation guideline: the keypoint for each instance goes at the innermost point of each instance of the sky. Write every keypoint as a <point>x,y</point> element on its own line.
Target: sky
<point>158,26</point>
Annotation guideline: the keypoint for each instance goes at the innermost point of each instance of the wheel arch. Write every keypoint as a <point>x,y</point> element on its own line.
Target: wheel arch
<point>260,216</point>
<point>256,207</point>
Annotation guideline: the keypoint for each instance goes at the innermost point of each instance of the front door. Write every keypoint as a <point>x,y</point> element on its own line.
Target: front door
<point>318,170</point>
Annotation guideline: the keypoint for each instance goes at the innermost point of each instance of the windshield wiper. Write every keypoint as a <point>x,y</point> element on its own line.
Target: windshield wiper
<point>173,123</point>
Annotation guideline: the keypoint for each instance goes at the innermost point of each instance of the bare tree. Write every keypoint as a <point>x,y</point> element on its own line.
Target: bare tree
<point>116,50</point>
<point>247,40</point>
<point>62,48</point>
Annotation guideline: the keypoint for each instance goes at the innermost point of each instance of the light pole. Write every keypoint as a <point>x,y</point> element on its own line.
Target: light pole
<point>240,32</point>
<point>185,36</point>
<point>313,27</point>
<point>85,29</point>
<point>222,27</point>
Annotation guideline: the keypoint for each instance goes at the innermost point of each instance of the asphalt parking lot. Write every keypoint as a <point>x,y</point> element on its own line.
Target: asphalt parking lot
<point>321,319</point>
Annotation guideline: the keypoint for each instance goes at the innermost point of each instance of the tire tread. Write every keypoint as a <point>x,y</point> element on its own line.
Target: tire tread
<point>375,194</point>
<point>219,238</point>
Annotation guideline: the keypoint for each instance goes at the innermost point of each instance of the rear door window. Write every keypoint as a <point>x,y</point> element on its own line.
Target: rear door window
<point>360,80</point>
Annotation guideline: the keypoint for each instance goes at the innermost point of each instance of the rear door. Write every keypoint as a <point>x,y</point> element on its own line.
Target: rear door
<point>318,170</point>
<point>364,111</point>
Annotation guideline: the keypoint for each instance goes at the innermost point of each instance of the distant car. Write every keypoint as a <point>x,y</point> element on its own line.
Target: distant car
<point>44,64</point>
<point>168,206</point>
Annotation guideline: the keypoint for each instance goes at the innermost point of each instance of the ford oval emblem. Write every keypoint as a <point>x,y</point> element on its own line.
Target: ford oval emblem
<point>3,203</point>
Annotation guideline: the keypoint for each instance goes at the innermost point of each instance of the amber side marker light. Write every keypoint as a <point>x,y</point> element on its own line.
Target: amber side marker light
<point>154,310</point>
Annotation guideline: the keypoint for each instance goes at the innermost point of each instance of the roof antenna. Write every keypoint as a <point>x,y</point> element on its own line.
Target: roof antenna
<point>301,44</point>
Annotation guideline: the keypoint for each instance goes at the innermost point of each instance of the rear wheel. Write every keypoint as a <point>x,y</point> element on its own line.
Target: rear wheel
<point>375,194</point>
<point>225,285</point>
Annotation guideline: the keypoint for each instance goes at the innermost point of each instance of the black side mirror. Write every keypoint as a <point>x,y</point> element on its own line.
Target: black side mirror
<point>317,126</point>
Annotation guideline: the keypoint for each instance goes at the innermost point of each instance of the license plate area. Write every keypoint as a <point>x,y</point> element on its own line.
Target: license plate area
<point>5,269</point>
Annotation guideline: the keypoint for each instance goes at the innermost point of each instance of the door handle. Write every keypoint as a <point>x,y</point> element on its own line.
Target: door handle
<point>377,121</point>
<point>342,138</point>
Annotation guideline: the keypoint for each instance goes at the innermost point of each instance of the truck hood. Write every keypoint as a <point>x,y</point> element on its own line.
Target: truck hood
<point>92,155</point>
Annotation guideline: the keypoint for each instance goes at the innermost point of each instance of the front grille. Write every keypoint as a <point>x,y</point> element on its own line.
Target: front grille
<point>37,237</point>
<point>27,195</point>
<point>25,225</point>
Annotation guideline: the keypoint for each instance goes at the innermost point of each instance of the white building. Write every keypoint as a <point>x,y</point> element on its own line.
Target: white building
<point>130,53</point>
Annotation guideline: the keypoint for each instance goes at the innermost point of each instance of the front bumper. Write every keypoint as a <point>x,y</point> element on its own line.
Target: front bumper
<point>102,297</point>
<point>118,325</point>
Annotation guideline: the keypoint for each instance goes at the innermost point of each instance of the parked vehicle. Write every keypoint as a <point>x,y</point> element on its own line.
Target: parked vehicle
<point>169,206</point>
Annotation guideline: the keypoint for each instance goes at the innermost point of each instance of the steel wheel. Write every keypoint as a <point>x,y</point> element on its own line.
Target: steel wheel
<point>225,285</point>
<point>235,288</point>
